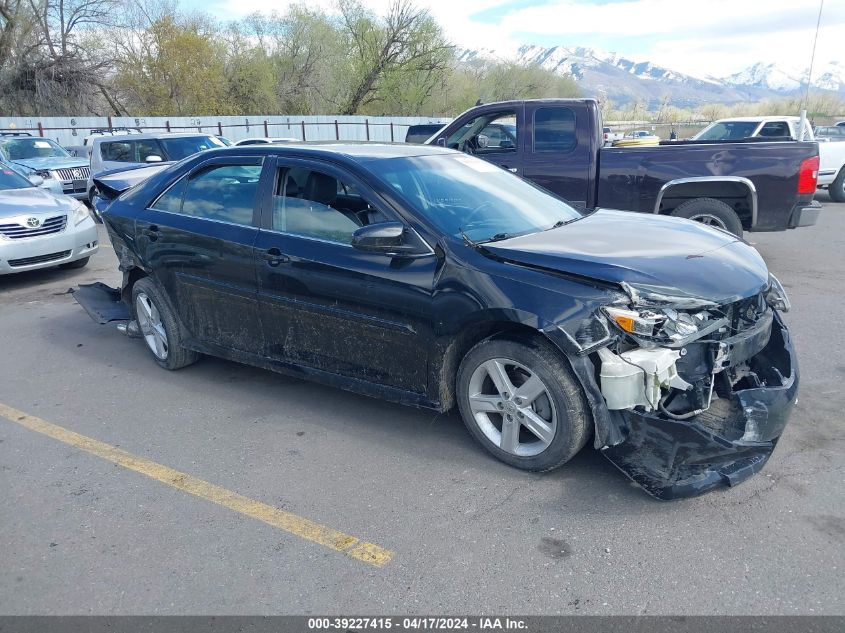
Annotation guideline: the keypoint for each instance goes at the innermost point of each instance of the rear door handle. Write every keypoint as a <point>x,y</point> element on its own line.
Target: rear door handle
<point>151,232</point>
<point>274,257</point>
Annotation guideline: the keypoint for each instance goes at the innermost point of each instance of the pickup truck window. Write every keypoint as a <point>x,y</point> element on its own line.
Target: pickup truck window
<point>554,130</point>
<point>775,128</point>
<point>490,133</point>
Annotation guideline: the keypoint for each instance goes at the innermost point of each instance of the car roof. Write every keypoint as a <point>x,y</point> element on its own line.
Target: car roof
<point>146,135</point>
<point>758,119</point>
<point>366,150</point>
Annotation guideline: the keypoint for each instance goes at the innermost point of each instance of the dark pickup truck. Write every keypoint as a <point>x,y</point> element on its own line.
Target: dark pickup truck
<point>557,144</point>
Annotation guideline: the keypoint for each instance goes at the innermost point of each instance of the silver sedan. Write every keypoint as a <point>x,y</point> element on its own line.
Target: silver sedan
<point>40,229</point>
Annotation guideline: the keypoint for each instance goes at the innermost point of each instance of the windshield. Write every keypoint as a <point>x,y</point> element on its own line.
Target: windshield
<point>12,180</point>
<point>26,148</point>
<point>179,148</point>
<point>463,194</point>
<point>727,131</point>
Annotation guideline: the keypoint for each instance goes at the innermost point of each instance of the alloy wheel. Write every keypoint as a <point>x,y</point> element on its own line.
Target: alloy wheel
<point>709,220</point>
<point>512,407</point>
<point>152,329</point>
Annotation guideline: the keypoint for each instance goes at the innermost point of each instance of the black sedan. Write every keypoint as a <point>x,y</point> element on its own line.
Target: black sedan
<point>431,278</point>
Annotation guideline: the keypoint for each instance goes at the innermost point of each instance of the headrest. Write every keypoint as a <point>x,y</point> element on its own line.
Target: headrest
<point>320,188</point>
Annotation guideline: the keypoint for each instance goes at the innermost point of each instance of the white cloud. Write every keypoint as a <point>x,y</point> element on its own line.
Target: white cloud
<point>716,37</point>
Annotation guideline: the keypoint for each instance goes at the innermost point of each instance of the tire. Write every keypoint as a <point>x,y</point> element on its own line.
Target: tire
<point>560,405</point>
<point>711,212</point>
<point>837,187</point>
<point>159,326</point>
<point>79,263</point>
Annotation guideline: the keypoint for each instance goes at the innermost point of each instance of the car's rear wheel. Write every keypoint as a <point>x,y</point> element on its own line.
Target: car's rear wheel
<point>159,327</point>
<point>522,403</point>
<point>837,187</point>
<point>79,263</point>
<point>711,212</point>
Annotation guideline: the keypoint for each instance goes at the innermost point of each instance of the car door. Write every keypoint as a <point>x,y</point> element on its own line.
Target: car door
<point>558,152</point>
<point>328,306</point>
<point>197,237</point>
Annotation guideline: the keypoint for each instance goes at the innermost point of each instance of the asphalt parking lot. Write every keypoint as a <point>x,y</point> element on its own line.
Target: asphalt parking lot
<point>458,531</point>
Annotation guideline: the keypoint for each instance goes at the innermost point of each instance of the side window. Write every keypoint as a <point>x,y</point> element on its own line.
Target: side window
<point>775,128</point>
<point>171,200</point>
<point>491,133</point>
<point>119,151</point>
<point>147,148</point>
<point>554,130</point>
<point>313,204</point>
<point>225,193</point>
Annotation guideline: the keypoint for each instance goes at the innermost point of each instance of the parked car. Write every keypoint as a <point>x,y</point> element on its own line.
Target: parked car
<point>640,134</point>
<point>431,278</point>
<point>420,133</point>
<point>609,136</point>
<point>119,152</point>
<point>48,160</point>
<point>266,140</point>
<point>734,186</point>
<point>40,229</point>
<point>840,124</point>
<point>740,128</point>
<point>829,133</point>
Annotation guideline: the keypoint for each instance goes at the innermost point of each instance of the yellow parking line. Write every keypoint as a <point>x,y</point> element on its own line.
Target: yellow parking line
<point>300,526</point>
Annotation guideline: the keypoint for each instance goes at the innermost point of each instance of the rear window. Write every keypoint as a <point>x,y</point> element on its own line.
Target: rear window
<point>554,130</point>
<point>179,148</point>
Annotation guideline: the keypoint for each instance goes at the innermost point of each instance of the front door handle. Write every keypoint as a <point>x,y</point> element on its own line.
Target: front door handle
<point>274,257</point>
<point>151,232</point>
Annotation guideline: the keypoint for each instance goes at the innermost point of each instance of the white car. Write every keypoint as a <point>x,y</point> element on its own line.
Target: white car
<point>127,150</point>
<point>743,127</point>
<point>831,174</point>
<point>267,140</point>
<point>39,229</point>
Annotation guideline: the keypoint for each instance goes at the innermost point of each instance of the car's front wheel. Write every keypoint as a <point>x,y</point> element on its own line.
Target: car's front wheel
<point>522,403</point>
<point>159,327</point>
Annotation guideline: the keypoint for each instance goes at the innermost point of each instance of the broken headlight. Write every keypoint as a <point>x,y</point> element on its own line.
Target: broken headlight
<point>661,324</point>
<point>776,295</point>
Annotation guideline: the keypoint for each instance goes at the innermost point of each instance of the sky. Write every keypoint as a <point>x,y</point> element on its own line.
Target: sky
<point>699,37</point>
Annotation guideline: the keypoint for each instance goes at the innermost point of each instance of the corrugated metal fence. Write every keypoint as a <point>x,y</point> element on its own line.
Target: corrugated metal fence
<point>71,131</point>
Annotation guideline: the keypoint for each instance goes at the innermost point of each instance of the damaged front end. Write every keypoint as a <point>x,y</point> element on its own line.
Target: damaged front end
<point>690,395</point>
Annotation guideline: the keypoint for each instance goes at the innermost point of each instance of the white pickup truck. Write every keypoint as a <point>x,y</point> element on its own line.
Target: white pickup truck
<point>831,155</point>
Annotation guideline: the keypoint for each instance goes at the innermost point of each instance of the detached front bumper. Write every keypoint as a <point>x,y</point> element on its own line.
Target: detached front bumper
<point>723,446</point>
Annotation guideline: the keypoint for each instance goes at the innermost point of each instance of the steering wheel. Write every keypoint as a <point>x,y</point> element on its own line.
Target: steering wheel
<point>468,221</point>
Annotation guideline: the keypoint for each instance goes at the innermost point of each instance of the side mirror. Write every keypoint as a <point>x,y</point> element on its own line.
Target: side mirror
<point>154,158</point>
<point>36,180</point>
<point>483,141</point>
<point>442,141</point>
<point>386,237</point>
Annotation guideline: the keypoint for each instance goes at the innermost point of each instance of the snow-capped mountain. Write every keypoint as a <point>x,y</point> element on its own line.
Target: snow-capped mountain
<point>623,80</point>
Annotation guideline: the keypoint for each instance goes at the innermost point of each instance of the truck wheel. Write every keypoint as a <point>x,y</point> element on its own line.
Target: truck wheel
<point>159,327</point>
<point>711,212</point>
<point>837,187</point>
<point>522,403</point>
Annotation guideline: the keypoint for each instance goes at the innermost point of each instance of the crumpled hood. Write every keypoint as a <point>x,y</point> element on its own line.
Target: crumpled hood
<point>51,162</point>
<point>670,256</point>
<point>32,200</point>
